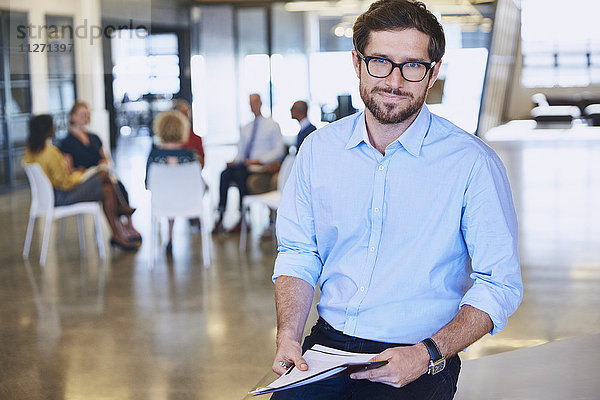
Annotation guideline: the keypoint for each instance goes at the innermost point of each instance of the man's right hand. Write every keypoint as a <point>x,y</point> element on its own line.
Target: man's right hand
<point>289,352</point>
<point>293,297</point>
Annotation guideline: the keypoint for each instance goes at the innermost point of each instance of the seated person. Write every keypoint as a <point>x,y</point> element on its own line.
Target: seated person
<point>71,186</point>
<point>83,147</point>
<point>173,129</point>
<point>260,144</point>
<point>84,150</point>
<point>299,112</point>
<point>194,141</point>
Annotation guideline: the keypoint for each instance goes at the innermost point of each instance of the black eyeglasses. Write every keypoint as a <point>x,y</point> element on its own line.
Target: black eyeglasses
<point>380,67</point>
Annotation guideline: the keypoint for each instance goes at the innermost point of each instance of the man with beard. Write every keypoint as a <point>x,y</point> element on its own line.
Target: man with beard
<point>404,220</point>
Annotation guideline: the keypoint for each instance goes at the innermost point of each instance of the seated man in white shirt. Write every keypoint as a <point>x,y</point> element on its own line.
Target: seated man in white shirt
<point>260,143</point>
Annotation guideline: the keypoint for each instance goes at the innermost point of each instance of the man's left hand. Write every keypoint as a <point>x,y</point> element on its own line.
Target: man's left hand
<point>405,364</point>
<point>252,161</point>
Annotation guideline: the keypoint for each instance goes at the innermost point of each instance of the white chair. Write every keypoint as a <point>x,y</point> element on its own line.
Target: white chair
<point>270,199</point>
<point>177,191</point>
<point>42,203</point>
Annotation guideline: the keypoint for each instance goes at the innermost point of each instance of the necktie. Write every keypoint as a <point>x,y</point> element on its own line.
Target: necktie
<point>252,137</point>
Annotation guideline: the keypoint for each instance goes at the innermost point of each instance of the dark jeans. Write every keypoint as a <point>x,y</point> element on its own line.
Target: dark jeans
<point>235,174</point>
<point>440,386</point>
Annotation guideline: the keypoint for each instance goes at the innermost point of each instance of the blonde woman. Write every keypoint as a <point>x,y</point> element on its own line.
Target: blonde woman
<point>173,129</point>
<point>84,150</point>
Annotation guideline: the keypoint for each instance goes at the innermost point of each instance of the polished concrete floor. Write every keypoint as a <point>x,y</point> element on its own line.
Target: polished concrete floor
<point>82,328</point>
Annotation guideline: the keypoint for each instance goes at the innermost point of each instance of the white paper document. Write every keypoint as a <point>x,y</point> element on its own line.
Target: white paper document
<point>323,362</point>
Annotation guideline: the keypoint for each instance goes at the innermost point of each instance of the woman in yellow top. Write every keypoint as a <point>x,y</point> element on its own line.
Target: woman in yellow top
<point>70,186</point>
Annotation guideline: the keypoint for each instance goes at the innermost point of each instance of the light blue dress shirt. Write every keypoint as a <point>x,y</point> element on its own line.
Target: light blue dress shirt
<point>267,145</point>
<point>398,243</point>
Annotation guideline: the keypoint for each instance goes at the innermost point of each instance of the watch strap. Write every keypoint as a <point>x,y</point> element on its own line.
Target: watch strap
<point>437,361</point>
<point>434,352</point>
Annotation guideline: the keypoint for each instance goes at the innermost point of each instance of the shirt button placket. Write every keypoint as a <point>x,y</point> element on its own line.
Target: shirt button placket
<point>374,237</point>
<point>376,221</point>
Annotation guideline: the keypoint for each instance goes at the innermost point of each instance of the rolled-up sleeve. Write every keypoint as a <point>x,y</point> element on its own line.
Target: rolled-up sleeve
<point>489,227</point>
<point>298,254</point>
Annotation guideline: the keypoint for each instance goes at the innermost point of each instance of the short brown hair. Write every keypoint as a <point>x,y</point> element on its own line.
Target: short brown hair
<point>385,15</point>
<point>171,127</point>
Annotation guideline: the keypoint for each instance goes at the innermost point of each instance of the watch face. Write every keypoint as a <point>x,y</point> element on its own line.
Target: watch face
<point>437,366</point>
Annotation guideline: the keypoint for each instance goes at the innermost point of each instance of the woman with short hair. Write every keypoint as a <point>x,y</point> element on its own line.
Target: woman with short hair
<point>172,128</point>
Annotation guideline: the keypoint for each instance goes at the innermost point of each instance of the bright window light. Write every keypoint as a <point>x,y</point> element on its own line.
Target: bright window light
<point>560,45</point>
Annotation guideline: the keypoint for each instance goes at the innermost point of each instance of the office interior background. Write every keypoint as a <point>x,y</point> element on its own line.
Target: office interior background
<point>83,327</point>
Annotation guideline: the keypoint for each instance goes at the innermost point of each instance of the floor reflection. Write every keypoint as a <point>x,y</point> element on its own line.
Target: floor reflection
<point>81,328</point>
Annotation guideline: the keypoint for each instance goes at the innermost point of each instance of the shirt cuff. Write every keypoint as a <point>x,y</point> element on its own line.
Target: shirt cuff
<point>497,302</point>
<point>307,267</point>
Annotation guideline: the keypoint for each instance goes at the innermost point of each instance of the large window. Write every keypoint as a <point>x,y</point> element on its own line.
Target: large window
<point>213,74</point>
<point>254,64</point>
<point>302,51</point>
<point>146,75</point>
<point>560,43</point>
<point>289,65</point>
<point>15,99</point>
<point>144,64</point>
<point>61,72</point>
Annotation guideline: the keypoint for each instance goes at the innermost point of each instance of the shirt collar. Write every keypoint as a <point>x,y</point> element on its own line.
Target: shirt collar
<point>359,132</point>
<point>411,139</point>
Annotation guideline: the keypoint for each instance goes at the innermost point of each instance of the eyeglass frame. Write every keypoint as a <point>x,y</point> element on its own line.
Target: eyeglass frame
<point>400,66</point>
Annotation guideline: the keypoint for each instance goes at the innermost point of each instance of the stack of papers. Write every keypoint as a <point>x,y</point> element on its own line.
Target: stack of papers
<point>323,363</point>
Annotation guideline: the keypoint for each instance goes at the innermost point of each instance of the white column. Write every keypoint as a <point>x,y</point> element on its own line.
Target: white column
<point>89,69</point>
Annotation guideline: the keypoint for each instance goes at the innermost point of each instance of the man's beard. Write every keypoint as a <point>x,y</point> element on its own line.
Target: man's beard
<point>390,113</point>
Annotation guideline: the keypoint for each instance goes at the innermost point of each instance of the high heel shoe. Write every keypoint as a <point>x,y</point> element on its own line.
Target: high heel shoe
<point>126,210</point>
<point>123,246</point>
<point>135,238</point>
<point>169,248</point>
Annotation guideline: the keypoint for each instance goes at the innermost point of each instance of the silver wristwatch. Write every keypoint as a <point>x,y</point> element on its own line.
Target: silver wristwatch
<point>437,361</point>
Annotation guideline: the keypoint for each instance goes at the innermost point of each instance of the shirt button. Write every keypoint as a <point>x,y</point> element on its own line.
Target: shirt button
<point>381,167</point>
<point>376,209</point>
<point>372,249</point>
<point>362,288</point>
